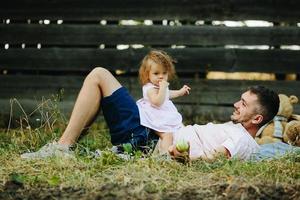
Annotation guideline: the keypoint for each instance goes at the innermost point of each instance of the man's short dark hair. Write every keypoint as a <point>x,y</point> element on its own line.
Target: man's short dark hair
<point>268,100</point>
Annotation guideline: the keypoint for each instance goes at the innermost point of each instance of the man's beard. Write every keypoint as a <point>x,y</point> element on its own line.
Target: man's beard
<point>233,116</point>
<point>239,119</point>
<point>236,118</point>
<point>235,121</point>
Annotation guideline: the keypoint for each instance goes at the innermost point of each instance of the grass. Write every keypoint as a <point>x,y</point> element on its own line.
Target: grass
<point>143,177</point>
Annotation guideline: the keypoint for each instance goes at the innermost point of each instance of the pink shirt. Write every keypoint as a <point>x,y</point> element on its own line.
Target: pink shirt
<point>165,118</point>
<point>206,138</point>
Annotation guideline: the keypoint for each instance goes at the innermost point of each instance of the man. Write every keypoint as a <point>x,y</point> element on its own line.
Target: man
<point>257,106</point>
<point>101,89</point>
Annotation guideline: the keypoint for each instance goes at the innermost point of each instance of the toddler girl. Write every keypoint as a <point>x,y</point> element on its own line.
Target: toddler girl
<point>157,112</point>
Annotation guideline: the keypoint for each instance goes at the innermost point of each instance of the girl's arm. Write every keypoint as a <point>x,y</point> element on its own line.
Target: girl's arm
<point>185,90</point>
<point>157,96</point>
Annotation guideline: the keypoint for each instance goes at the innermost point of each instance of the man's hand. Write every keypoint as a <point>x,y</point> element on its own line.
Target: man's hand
<point>182,157</point>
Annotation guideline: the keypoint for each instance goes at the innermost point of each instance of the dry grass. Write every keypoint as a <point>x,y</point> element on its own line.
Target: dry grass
<point>143,177</point>
<point>142,172</point>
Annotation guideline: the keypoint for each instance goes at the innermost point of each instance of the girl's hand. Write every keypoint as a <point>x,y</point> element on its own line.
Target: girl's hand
<point>185,90</point>
<point>157,96</point>
<point>163,84</point>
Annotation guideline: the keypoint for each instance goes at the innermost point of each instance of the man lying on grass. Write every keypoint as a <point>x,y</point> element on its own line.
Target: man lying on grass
<point>257,106</point>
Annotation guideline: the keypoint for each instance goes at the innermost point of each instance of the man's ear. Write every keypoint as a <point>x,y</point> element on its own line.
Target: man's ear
<point>257,119</point>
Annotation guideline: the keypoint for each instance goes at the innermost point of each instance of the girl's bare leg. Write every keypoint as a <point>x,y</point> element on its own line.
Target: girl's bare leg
<point>99,83</point>
<point>165,141</point>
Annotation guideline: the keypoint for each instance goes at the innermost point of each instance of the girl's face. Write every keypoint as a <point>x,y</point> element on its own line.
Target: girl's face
<point>157,73</point>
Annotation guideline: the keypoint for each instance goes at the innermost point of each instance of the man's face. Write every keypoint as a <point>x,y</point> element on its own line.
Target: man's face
<point>245,109</point>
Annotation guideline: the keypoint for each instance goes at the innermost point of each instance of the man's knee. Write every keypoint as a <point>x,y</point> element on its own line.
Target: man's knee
<point>99,71</point>
<point>97,74</point>
<point>105,80</point>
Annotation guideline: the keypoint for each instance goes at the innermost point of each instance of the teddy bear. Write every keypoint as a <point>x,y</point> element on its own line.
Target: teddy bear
<point>292,131</point>
<point>284,127</point>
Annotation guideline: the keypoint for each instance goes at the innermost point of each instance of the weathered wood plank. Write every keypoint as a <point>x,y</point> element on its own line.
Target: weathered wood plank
<point>272,10</point>
<point>210,100</point>
<point>206,92</point>
<point>188,59</point>
<point>60,35</point>
<point>34,108</point>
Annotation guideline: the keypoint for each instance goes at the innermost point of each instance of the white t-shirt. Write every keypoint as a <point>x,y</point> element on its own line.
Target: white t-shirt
<point>206,138</point>
<point>165,118</point>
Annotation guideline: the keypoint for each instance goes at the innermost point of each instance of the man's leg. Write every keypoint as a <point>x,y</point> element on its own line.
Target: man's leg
<point>99,83</point>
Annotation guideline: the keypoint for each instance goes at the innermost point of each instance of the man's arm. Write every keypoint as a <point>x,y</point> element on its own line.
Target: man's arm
<point>208,156</point>
<point>215,154</point>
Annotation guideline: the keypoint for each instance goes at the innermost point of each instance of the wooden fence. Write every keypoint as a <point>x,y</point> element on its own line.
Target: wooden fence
<point>49,45</point>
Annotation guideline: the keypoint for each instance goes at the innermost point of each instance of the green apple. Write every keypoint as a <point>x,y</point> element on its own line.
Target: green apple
<point>182,145</point>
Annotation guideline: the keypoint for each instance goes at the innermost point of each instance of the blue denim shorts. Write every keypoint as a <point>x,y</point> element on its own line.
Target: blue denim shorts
<point>122,117</point>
